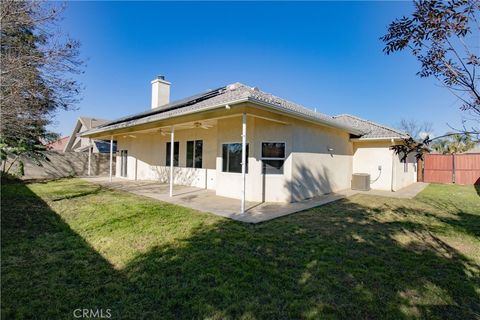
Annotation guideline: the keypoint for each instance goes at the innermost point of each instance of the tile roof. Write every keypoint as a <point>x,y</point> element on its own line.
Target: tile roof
<point>372,130</point>
<point>238,92</point>
<point>219,97</point>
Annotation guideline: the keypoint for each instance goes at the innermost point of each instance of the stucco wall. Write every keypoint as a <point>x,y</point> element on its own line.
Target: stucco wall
<point>81,142</point>
<point>322,161</point>
<point>318,159</point>
<point>310,168</point>
<point>405,173</point>
<point>259,187</point>
<point>147,157</point>
<point>367,158</point>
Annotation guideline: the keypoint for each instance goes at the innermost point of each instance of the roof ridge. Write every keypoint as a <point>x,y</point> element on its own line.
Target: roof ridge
<point>256,89</point>
<point>93,118</point>
<point>372,122</point>
<point>232,93</point>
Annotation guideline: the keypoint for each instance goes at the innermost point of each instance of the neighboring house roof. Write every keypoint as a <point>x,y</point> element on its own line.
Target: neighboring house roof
<point>90,122</point>
<point>57,145</point>
<point>372,130</point>
<point>231,94</point>
<point>83,124</point>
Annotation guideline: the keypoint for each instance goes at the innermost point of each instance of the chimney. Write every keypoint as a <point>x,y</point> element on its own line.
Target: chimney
<point>160,92</point>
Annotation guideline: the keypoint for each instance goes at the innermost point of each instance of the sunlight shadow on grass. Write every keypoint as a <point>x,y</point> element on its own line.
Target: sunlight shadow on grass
<point>78,195</point>
<point>341,260</point>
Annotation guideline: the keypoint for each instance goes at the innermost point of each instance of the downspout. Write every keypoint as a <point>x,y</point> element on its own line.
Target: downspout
<point>393,168</point>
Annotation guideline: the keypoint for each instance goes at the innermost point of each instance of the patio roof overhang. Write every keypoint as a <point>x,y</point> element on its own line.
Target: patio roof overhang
<point>378,139</point>
<point>249,105</point>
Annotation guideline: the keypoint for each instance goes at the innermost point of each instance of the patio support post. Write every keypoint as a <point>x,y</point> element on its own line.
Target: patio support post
<point>89,155</point>
<point>111,157</point>
<point>244,159</point>
<point>172,142</point>
<point>392,180</point>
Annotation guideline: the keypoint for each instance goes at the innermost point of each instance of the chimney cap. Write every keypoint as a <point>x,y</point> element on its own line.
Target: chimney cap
<point>161,79</point>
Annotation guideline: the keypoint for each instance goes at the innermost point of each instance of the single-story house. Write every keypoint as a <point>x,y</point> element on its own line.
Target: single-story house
<point>247,144</point>
<point>57,145</point>
<point>76,143</point>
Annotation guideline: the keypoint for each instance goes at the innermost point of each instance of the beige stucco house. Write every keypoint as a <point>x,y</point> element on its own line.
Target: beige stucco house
<point>76,143</point>
<point>291,152</point>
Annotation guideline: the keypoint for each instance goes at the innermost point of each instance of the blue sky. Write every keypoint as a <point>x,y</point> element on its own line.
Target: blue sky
<point>323,55</point>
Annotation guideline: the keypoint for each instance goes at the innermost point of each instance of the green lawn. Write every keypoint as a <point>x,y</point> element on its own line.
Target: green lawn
<point>69,244</point>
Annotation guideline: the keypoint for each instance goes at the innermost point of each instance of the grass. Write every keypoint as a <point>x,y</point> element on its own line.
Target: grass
<point>69,244</point>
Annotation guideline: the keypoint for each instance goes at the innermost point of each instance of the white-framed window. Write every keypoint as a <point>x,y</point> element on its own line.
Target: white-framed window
<point>232,157</point>
<point>194,153</point>
<point>273,157</point>
<point>405,166</point>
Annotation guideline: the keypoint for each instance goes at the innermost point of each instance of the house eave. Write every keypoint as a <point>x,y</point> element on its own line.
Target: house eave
<point>150,119</point>
<point>302,116</point>
<point>156,118</point>
<point>377,139</point>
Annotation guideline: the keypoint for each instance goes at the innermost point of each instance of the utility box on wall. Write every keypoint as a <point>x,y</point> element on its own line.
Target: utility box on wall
<point>361,181</point>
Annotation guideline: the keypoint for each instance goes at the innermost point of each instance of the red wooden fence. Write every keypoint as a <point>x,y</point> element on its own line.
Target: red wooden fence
<point>438,168</point>
<point>457,168</point>
<point>467,168</point>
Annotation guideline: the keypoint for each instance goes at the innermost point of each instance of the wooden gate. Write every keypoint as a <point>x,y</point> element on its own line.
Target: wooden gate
<point>452,168</point>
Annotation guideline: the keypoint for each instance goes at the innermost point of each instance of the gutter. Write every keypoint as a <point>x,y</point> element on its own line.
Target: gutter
<point>296,114</point>
<point>146,119</point>
<point>333,124</point>
<point>377,139</point>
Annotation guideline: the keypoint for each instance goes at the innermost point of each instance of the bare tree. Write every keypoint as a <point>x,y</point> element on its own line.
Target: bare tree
<point>38,67</point>
<point>415,129</point>
<point>443,36</point>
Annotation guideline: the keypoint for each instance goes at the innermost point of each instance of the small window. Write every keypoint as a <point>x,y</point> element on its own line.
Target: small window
<point>275,150</point>
<point>405,166</point>
<point>273,157</point>
<point>232,157</point>
<point>176,149</point>
<point>194,154</point>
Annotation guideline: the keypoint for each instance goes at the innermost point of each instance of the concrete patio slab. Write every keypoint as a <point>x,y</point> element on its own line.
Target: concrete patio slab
<point>408,192</point>
<point>208,201</point>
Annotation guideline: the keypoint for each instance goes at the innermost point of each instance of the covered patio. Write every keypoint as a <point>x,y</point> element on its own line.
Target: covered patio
<point>207,201</point>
